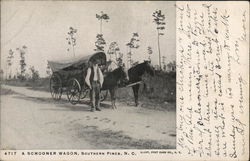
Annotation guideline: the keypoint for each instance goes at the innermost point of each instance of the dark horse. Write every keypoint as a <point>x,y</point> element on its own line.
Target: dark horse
<point>135,75</point>
<point>114,79</point>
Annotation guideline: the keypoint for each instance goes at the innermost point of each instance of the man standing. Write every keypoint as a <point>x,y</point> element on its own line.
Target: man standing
<point>94,80</point>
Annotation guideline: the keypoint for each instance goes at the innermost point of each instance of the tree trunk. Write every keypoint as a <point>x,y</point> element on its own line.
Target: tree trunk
<point>159,48</point>
<point>71,38</point>
<point>101,26</point>
<point>127,57</point>
<point>130,57</point>
<point>7,72</point>
<point>10,72</point>
<point>116,57</point>
<point>73,50</point>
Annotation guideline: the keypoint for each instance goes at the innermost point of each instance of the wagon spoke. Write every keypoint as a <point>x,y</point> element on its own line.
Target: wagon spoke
<point>56,95</point>
<point>70,97</point>
<point>73,91</point>
<point>53,94</point>
<point>76,95</point>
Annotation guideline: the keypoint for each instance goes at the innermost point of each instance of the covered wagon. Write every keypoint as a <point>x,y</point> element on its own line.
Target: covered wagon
<point>69,76</point>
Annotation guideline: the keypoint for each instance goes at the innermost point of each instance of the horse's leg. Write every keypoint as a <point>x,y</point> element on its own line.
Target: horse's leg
<point>114,97</point>
<point>135,90</point>
<point>111,91</point>
<point>145,88</point>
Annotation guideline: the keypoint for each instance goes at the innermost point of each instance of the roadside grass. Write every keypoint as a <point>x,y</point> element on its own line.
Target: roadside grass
<point>4,91</point>
<point>41,85</point>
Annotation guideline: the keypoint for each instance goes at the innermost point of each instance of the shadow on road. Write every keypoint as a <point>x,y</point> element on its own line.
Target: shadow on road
<point>102,139</point>
<point>63,104</point>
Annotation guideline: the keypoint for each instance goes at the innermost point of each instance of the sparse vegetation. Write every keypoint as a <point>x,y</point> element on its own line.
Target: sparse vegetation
<point>71,39</point>
<point>34,74</point>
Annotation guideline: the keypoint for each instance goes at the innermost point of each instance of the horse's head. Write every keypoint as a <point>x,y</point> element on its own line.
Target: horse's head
<point>122,75</point>
<point>149,68</point>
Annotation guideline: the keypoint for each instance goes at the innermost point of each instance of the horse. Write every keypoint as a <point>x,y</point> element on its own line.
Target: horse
<point>114,79</point>
<point>135,75</point>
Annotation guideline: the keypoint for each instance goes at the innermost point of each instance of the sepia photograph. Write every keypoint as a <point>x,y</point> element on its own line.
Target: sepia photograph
<point>88,75</point>
<point>124,80</point>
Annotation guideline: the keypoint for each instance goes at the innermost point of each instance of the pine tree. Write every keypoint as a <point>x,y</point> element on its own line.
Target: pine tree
<point>100,42</point>
<point>150,52</point>
<point>71,39</point>
<point>9,62</point>
<point>158,19</point>
<point>34,74</point>
<point>133,44</point>
<point>101,17</point>
<point>22,62</point>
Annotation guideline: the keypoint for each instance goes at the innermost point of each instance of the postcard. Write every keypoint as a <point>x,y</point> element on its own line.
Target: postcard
<point>124,80</point>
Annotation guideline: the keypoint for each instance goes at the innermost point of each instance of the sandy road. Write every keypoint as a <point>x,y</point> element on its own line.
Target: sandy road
<point>32,120</point>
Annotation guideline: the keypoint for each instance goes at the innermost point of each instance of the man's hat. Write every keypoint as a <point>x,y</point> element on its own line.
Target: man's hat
<point>95,61</point>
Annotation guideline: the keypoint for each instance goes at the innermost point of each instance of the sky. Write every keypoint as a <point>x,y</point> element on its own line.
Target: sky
<point>42,26</point>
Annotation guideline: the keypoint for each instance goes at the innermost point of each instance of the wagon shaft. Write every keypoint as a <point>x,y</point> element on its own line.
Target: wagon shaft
<point>132,84</point>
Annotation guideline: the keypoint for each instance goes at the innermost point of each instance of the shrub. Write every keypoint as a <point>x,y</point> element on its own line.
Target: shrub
<point>159,88</point>
<point>162,86</point>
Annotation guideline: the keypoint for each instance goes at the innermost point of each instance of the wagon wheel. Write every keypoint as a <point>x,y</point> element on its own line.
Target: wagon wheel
<point>85,91</point>
<point>103,95</point>
<point>56,87</point>
<point>73,91</point>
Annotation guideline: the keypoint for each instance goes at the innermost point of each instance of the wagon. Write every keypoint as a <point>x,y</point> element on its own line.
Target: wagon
<point>69,76</point>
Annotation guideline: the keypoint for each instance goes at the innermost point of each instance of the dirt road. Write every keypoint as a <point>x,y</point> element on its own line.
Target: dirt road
<point>33,120</point>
